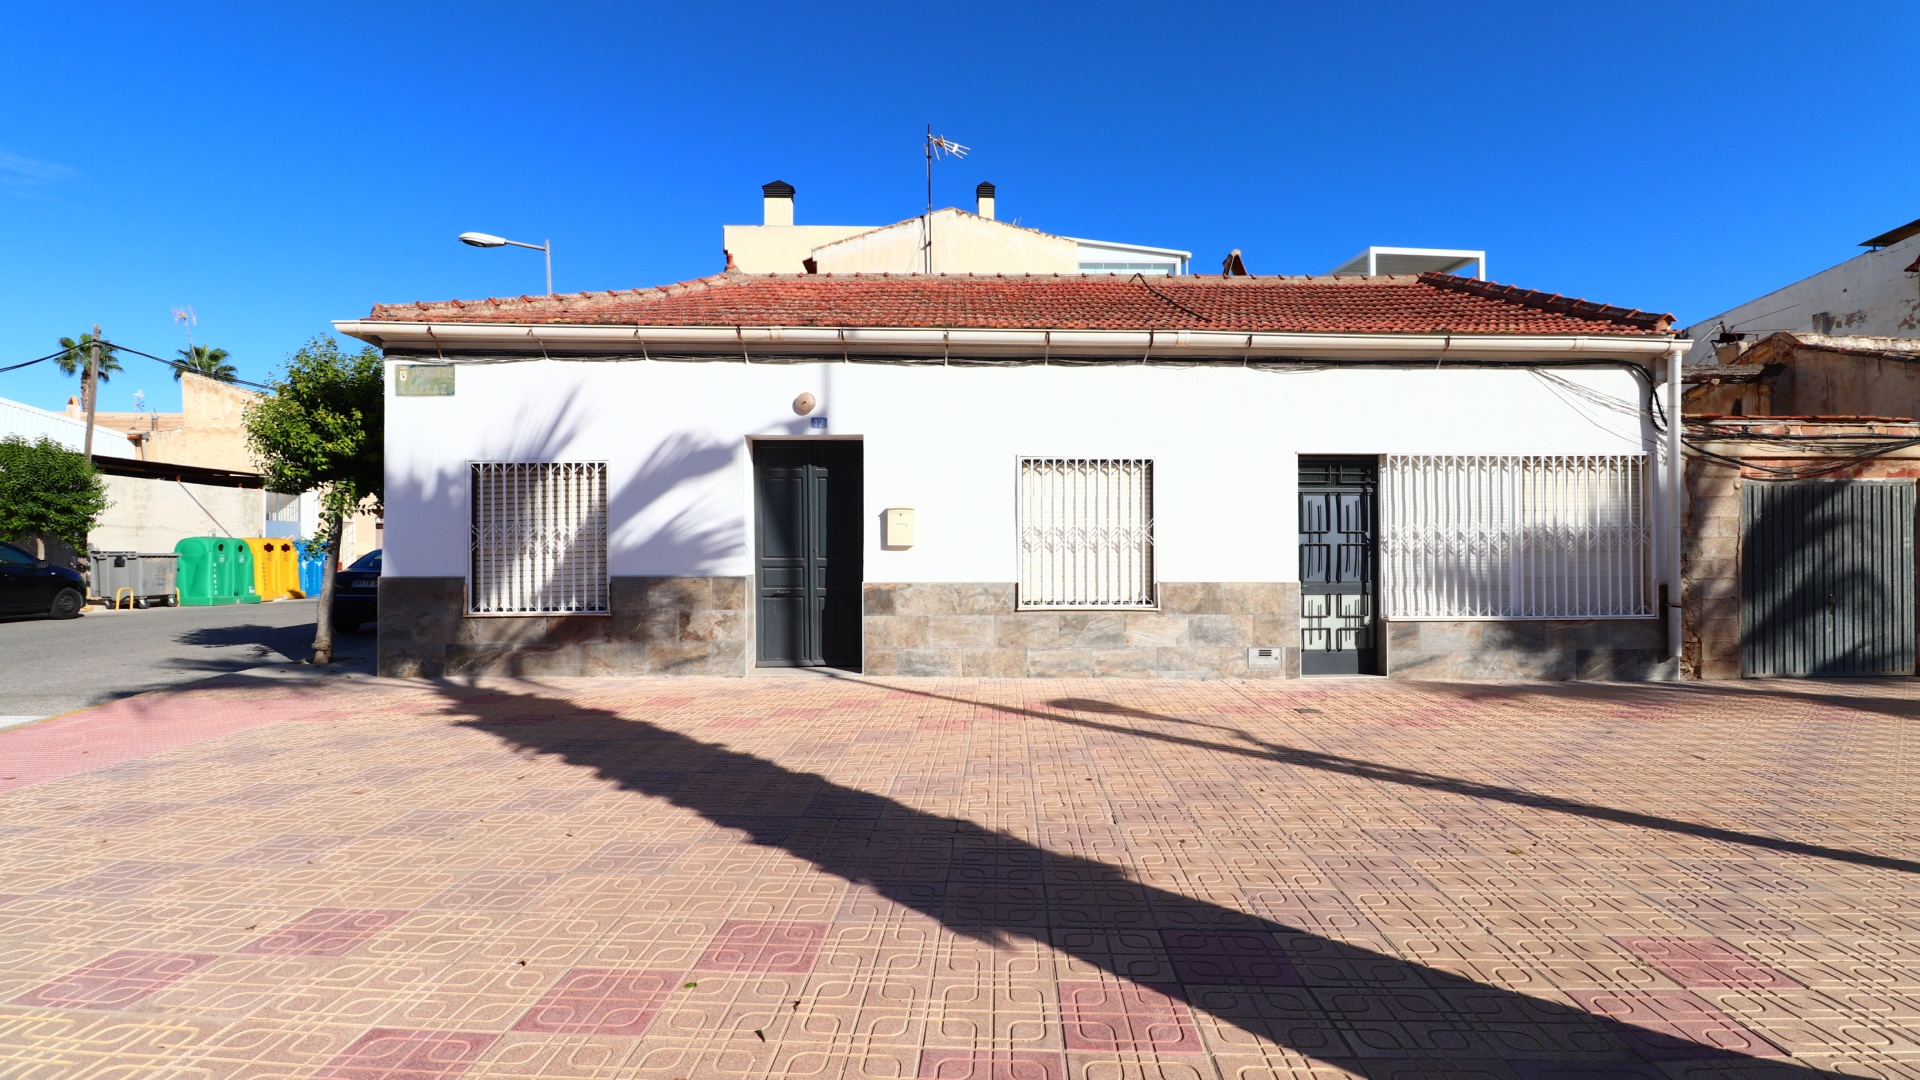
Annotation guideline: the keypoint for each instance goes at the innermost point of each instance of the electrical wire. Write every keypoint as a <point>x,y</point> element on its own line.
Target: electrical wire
<point>30,363</point>
<point>112,347</point>
<point>179,366</point>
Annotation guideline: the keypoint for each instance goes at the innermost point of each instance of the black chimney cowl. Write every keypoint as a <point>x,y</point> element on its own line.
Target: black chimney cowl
<point>779,189</point>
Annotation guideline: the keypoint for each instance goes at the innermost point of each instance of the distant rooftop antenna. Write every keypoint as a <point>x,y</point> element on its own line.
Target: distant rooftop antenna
<point>937,146</point>
<point>185,317</point>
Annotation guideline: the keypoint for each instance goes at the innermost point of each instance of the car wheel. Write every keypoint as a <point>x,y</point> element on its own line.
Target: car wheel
<point>67,604</point>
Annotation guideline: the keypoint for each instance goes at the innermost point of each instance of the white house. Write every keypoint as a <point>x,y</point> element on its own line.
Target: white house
<point>1180,476</point>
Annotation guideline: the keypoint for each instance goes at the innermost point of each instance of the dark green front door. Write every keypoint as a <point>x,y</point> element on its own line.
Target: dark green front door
<point>1339,631</point>
<point>807,569</point>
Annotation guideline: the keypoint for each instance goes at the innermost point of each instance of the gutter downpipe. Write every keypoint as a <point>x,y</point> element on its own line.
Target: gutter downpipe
<point>1676,505</point>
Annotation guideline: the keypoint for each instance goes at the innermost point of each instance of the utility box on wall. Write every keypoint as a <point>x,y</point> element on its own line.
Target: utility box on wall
<point>897,527</point>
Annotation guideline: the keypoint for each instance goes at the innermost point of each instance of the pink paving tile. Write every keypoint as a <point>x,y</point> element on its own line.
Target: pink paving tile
<point>746,945</point>
<point>262,794</point>
<point>628,858</point>
<point>1705,963</point>
<point>1138,1017</point>
<point>117,980</point>
<point>286,850</point>
<point>549,800</point>
<point>493,890</point>
<point>1673,1025</point>
<point>389,1054</point>
<point>326,932</point>
<point>127,813</point>
<point>991,1065</point>
<point>138,727</point>
<point>599,1001</point>
<point>1229,958</point>
<point>128,878</point>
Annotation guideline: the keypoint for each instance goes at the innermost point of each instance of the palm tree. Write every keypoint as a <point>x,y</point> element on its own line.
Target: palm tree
<point>76,357</point>
<point>205,360</point>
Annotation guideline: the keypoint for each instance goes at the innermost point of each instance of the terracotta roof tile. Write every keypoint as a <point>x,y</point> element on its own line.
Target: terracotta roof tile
<point>1429,303</point>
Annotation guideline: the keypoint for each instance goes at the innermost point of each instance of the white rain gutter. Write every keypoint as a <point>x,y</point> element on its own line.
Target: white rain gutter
<point>728,341</point>
<point>1676,503</point>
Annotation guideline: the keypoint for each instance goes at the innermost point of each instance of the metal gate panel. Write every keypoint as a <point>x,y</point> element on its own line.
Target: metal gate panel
<point>1826,577</point>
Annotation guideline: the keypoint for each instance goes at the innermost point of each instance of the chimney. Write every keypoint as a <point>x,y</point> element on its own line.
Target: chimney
<point>778,199</point>
<point>983,200</point>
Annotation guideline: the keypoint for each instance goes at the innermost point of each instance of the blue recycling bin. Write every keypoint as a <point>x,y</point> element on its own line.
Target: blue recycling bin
<point>313,563</point>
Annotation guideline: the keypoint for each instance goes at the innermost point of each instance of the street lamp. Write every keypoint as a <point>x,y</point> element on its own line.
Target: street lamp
<point>480,239</point>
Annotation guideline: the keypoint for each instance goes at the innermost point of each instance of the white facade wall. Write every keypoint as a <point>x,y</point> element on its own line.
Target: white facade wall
<point>148,514</point>
<point>944,440</point>
<point>1869,295</point>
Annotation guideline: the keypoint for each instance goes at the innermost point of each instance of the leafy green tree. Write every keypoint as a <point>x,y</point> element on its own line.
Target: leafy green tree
<point>323,429</point>
<point>74,361</point>
<point>205,360</point>
<point>47,488</point>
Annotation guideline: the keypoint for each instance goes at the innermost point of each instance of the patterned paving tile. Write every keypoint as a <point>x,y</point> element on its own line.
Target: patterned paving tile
<point>389,1054</point>
<point>116,981</point>
<point>1136,1017</point>
<point>325,932</point>
<point>991,1065</point>
<point>748,945</point>
<point>1673,1025</point>
<point>966,878</point>
<point>600,1001</point>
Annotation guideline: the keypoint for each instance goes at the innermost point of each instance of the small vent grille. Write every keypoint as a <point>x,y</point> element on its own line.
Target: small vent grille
<point>1266,658</point>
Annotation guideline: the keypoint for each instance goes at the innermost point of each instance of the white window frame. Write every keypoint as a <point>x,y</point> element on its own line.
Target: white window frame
<point>569,500</point>
<point>1528,538</point>
<point>1069,581</point>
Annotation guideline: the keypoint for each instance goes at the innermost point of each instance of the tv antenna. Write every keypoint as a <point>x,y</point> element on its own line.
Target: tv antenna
<point>185,317</point>
<point>937,146</point>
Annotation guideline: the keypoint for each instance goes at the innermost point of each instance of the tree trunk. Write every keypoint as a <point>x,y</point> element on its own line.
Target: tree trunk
<point>323,618</point>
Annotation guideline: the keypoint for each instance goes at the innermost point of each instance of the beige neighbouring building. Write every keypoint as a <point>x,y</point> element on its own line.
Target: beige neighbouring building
<point>947,241</point>
<point>201,479</point>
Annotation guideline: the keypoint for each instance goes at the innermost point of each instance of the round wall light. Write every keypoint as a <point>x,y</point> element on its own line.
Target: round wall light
<point>804,404</point>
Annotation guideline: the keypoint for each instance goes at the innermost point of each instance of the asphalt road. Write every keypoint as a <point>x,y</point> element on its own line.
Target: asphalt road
<point>50,667</point>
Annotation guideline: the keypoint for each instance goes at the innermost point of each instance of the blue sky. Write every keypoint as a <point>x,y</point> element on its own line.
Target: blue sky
<point>277,169</point>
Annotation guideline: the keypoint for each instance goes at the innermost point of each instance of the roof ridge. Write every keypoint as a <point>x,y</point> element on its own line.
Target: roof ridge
<point>1546,301</point>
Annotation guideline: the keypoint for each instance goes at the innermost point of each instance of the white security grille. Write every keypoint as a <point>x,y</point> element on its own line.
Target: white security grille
<point>1086,533</point>
<point>1516,537</point>
<point>539,538</point>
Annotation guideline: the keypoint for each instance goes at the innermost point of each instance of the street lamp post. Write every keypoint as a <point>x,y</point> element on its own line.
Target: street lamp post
<point>487,240</point>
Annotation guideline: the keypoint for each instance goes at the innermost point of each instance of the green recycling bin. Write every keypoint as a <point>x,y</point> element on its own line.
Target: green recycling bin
<point>207,570</point>
<point>245,590</point>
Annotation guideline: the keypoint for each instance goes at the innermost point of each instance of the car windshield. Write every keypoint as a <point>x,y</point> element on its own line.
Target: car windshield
<point>369,561</point>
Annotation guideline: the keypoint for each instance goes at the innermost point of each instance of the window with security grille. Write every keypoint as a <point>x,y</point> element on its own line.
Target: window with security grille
<point>1086,533</point>
<point>1522,537</point>
<point>539,544</point>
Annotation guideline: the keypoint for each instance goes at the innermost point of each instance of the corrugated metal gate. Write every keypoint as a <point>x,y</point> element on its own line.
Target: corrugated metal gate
<point>1826,577</point>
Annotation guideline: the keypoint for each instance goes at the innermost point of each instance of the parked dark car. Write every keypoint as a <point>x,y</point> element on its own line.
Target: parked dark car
<point>356,593</point>
<point>30,586</point>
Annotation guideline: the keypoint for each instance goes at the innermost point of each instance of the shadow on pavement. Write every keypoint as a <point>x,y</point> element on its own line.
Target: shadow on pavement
<point>1277,981</point>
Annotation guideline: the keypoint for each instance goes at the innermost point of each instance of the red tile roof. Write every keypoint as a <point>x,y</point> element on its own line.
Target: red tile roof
<point>1427,304</point>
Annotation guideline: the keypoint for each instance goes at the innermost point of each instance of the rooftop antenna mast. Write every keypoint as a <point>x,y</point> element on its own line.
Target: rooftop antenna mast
<point>937,146</point>
<point>185,317</point>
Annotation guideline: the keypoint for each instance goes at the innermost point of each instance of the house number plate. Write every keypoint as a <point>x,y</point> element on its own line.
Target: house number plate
<point>423,380</point>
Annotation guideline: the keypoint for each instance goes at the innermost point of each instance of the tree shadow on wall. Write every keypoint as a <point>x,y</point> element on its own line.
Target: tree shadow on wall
<point>1822,594</point>
<point>692,541</point>
<point>1164,955</point>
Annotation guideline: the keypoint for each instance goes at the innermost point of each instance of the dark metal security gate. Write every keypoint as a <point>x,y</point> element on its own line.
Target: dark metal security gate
<point>1338,626</point>
<point>1826,577</point>
<point>807,565</point>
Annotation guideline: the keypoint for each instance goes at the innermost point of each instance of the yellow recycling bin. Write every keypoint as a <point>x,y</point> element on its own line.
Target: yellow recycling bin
<point>276,568</point>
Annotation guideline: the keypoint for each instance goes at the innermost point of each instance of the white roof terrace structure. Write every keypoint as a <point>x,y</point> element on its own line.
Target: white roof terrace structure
<point>1407,260</point>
